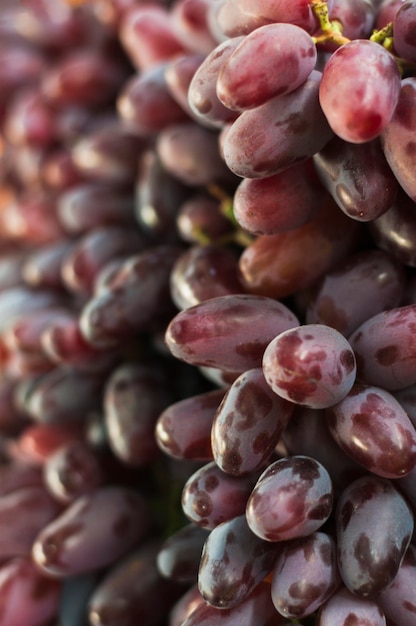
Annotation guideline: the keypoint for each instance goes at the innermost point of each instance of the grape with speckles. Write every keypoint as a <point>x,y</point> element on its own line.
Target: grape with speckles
<point>292,498</point>
<point>312,365</point>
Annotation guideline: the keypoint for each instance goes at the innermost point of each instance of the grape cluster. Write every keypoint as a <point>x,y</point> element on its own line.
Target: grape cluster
<point>207,313</point>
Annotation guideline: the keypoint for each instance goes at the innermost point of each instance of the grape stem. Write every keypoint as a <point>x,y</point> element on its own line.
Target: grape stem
<point>331,31</point>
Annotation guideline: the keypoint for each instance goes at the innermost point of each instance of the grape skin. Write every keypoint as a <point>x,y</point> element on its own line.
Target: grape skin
<point>359,105</point>
<point>312,365</point>
<point>292,498</point>
<point>272,60</point>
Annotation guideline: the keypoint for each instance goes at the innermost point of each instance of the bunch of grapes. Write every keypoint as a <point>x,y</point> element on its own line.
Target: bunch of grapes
<point>207,313</point>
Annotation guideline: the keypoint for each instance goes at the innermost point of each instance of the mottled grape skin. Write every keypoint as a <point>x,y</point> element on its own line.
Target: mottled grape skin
<point>179,556</point>
<point>307,434</point>
<point>385,349</point>
<point>398,600</point>
<point>346,609</point>
<point>223,332</point>
<point>183,429</point>
<point>398,137</point>
<point>361,286</point>
<point>233,562</point>
<point>374,525</point>
<point>359,103</point>
<point>305,575</point>
<point>292,498</point>
<point>248,424</point>
<point>93,532</point>
<point>283,131</point>
<point>312,365</point>
<point>371,427</point>
<point>257,608</point>
<point>211,496</point>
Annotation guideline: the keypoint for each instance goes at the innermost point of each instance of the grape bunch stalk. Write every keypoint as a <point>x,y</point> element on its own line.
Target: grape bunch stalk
<point>207,313</point>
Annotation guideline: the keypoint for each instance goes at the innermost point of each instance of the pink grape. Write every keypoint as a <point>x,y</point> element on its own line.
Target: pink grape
<point>359,90</point>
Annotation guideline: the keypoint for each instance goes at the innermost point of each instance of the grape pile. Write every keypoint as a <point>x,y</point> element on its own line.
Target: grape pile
<point>207,313</point>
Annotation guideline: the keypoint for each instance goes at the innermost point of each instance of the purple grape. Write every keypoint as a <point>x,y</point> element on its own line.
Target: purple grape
<point>24,512</point>
<point>20,600</point>
<point>385,350</point>
<point>248,424</point>
<point>148,36</point>
<point>345,608</point>
<point>404,30</point>
<point>233,562</point>
<point>93,532</point>
<point>305,575</point>
<point>190,153</point>
<point>202,273</point>
<point>312,365</point>
<point>137,297</point>
<point>190,22</point>
<point>211,497</point>
<point>257,609</point>
<point>202,92</point>
<point>358,288</point>
<point>179,556</point>
<point>272,60</point>
<point>72,471</point>
<point>398,600</point>
<point>307,434</point>
<point>374,528</point>
<point>279,203</point>
<point>394,231</point>
<point>183,429</point>
<point>372,428</point>
<point>396,138</point>
<point>134,397</point>
<point>274,136</point>
<point>145,104</point>
<point>359,104</point>
<point>292,498</point>
<point>222,332</point>
<point>90,205</point>
<point>362,192</point>
<point>133,592</point>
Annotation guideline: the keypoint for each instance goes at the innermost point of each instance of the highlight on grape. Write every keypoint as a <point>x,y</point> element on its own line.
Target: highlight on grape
<point>207,312</point>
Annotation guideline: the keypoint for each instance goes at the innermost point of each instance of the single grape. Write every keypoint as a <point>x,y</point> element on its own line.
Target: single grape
<point>374,525</point>
<point>371,427</point>
<point>305,575</point>
<point>312,365</point>
<point>272,60</point>
<point>359,90</point>
<point>221,332</point>
<point>248,424</point>
<point>292,498</point>
<point>344,607</point>
<point>233,562</point>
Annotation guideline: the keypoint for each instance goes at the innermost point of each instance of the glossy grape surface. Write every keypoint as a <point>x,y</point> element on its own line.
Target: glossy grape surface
<point>292,498</point>
<point>312,365</point>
